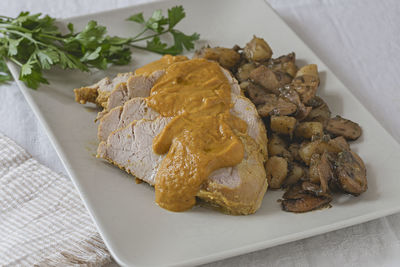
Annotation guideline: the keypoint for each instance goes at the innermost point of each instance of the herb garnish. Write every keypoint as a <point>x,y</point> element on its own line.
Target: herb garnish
<point>35,43</point>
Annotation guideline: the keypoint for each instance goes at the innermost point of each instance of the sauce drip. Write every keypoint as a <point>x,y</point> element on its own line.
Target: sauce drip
<point>202,134</point>
<point>160,64</point>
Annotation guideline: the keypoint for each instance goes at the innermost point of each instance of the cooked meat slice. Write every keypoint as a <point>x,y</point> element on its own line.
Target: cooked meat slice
<point>320,111</point>
<point>243,186</point>
<point>226,57</point>
<point>351,173</point>
<point>271,80</point>
<point>283,124</point>
<point>287,92</point>
<point>243,72</point>
<point>99,92</point>
<point>277,169</point>
<point>309,129</point>
<point>339,126</point>
<point>306,82</point>
<point>306,203</point>
<point>257,50</point>
<point>286,63</point>
<point>86,94</point>
<point>121,116</point>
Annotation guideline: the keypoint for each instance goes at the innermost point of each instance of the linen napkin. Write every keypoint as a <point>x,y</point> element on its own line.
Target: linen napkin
<point>43,222</point>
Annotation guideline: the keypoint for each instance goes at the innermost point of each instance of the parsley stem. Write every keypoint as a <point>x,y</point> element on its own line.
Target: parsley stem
<point>139,34</point>
<point>150,36</point>
<point>16,61</point>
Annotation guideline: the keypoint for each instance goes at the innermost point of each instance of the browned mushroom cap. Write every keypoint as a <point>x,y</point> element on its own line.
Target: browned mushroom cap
<point>257,50</point>
<point>351,173</point>
<point>287,92</point>
<point>296,172</point>
<point>286,63</point>
<point>320,111</point>
<point>325,171</point>
<point>297,200</point>
<point>339,126</point>
<point>274,105</point>
<point>271,80</point>
<point>276,169</point>
<point>226,57</point>
<point>340,142</point>
<point>243,72</point>
<point>306,82</point>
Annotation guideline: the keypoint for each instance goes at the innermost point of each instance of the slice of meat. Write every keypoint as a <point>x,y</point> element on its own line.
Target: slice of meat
<point>121,116</point>
<point>99,92</point>
<point>237,190</point>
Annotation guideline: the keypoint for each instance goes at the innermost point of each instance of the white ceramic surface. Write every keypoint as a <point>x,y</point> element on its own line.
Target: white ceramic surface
<point>138,232</point>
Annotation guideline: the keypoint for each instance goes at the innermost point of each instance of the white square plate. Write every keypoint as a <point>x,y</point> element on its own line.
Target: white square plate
<point>135,229</point>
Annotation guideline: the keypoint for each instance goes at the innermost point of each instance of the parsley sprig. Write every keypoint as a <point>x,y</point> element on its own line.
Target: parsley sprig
<point>35,43</point>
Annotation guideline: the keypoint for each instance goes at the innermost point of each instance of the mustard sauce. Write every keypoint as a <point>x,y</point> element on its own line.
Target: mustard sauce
<point>202,135</point>
<point>160,64</point>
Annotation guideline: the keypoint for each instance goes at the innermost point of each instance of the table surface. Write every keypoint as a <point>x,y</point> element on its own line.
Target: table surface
<point>359,40</point>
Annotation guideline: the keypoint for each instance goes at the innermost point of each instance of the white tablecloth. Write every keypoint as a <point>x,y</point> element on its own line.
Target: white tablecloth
<point>358,39</point>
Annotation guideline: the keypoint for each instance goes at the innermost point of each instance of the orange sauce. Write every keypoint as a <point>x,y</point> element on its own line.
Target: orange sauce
<point>202,135</point>
<point>160,64</point>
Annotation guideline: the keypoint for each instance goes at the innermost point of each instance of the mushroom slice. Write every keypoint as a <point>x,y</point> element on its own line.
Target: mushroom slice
<point>277,169</point>
<point>286,63</point>
<point>339,126</point>
<point>320,111</point>
<point>269,79</point>
<point>325,171</point>
<point>283,124</point>
<point>226,57</point>
<point>306,82</point>
<point>257,94</point>
<point>306,203</point>
<point>294,150</point>
<point>274,105</point>
<point>277,147</point>
<point>287,92</point>
<point>308,129</point>
<point>257,50</point>
<point>296,172</point>
<point>340,142</point>
<point>307,150</point>
<point>351,173</point>
<point>243,72</point>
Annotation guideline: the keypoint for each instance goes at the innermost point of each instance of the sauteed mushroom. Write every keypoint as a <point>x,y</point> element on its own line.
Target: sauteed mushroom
<point>351,173</point>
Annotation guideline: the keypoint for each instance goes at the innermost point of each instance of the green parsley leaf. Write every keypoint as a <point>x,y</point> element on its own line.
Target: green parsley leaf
<point>35,43</point>
<point>175,15</point>
<point>137,18</point>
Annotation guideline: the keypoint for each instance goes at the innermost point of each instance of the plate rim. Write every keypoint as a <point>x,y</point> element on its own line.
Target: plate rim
<point>226,253</point>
